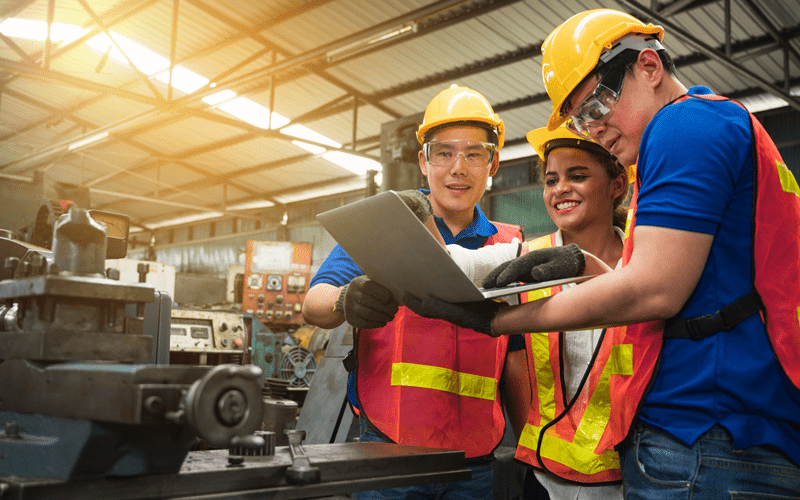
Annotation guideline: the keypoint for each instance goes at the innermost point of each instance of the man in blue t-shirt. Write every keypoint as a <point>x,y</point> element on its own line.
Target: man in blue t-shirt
<point>720,416</point>
<point>460,138</point>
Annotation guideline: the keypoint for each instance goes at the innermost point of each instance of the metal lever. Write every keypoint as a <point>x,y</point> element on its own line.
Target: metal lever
<point>301,471</point>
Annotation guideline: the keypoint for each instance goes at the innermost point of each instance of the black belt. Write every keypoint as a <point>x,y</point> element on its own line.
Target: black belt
<point>724,319</point>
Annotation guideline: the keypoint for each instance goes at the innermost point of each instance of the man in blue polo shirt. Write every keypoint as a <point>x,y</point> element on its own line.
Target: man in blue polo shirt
<point>703,398</point>
<point>398,385</point>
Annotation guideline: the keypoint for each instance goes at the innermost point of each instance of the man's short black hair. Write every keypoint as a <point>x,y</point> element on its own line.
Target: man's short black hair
<point>624,60</point>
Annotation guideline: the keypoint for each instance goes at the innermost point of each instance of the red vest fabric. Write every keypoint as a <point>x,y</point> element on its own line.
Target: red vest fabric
<point>426,382</point>
<point>776,264</point>
<point>562,436</point>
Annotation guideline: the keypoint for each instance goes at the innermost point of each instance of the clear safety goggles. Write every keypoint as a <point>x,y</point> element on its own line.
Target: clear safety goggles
<point>599,105</point>
<point>444,153</point>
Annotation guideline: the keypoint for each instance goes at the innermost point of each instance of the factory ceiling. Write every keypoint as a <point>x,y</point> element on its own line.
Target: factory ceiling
<point>161,108</point>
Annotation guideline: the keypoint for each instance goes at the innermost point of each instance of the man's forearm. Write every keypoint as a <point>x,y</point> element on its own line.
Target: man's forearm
<point>654,285</point>
<point>318,306</point>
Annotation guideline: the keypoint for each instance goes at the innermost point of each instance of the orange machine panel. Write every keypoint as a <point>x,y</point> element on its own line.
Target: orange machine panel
<point>276,277</point>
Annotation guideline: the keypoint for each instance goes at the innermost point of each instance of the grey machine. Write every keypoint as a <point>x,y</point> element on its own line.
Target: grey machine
<point>90,409</point>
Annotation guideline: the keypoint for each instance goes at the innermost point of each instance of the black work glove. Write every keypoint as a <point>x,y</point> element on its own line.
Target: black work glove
<point>540,265</point>
<point>417,202</point>
<point>476,316</point>
<point>366,304</point>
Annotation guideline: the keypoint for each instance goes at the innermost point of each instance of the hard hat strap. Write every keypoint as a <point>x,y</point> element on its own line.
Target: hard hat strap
<point>633,41</point>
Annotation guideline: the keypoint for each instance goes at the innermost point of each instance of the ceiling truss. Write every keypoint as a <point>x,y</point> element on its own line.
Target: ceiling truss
<point>287,67</point>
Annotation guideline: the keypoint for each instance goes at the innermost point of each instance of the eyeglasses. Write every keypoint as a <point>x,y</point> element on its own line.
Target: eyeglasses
<point>601,103</point>
<point>444,153</point>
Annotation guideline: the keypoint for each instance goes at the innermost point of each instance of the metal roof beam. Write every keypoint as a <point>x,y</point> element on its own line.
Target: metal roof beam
<point>107,31</point>
<point>430,25</point>
<point>40,73</point>
<point>291,60</point>
<point>126,10</point>
<point>160,201</point>
<point>16,48</point>
<point>714,54</point>
<point>773,31</point>
<point>762,43</point>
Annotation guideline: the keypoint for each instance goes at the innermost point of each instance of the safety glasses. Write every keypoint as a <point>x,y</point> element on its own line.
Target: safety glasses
<point>600,104</point>
<point>444,153</point>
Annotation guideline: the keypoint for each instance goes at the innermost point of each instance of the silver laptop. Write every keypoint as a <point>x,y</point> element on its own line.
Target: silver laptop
<point>387,241</point>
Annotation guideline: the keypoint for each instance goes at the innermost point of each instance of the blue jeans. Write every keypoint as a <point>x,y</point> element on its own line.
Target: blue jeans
<point>477,488</point>
<point>657,466</point>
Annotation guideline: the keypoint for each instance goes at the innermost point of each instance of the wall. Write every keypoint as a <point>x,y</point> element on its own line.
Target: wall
<point>194,250</point>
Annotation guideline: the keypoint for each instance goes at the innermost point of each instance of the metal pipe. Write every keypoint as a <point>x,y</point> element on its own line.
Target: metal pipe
<point>713,53</point>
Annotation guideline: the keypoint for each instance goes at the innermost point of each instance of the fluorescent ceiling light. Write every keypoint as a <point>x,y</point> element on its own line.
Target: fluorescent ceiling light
<point>87,140</point>
<point>311,148</point>
<point>765,102</point>
<point>246,205</point>
<point>303,132</point>
<point>183,220</point>
<point>37,30</point>
<point>356,164</point>
<point>222,95</point>
<point>150,63</point>
<point>253,113</point>
<point>308,194</point>
<point>393,34</point>
<point>147,61</point>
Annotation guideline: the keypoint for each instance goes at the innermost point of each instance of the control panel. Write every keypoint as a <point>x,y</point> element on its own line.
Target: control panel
<point>207,337</point>
<point>276,279</point>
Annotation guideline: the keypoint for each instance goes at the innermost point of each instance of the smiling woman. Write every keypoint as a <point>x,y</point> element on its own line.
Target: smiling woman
<point>584,188</point>
<point>577,170</point>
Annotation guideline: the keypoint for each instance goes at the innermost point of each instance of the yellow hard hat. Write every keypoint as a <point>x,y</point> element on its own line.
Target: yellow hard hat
<point>458,104</point>
<point>544,141</point>
<point>574,48</point>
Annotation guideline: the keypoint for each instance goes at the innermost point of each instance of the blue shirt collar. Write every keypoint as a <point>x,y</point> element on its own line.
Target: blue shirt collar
<point>700,90</point>
<point>473,236</point>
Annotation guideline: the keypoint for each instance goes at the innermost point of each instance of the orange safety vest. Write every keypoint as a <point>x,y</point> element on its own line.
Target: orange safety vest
<point>427,382</point>
<point>562,436</point>
<point>626,360</point>
<point>776,266</point>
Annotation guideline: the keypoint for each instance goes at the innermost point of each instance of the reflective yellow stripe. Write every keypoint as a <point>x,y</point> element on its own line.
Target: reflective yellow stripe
<point>628,224</point>
<point>798,315</point>
<point>537,244</point>
<point>578,454</point>
<point>442,379</point>
<point>545,384</point>
<point>540,343</point>
<point>788,182</point>
<point>582,460</point>
<point>631,174</point>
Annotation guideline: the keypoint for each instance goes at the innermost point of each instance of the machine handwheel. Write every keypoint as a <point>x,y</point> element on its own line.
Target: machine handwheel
<point>224,403</point>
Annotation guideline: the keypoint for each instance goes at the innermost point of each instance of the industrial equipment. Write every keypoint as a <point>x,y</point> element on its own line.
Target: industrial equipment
<point>76,399</point>
<point>207,337</point>
<point>276,280</point>
<point>217,474</point>
<point>159,276</point>
<point>85,412</point>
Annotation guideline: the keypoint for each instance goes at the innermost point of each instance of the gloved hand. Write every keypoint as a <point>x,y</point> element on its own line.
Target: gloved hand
<point>366,304</point>
<point>417,202</point>
<point>540,265</point>
<point>476,316</point>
